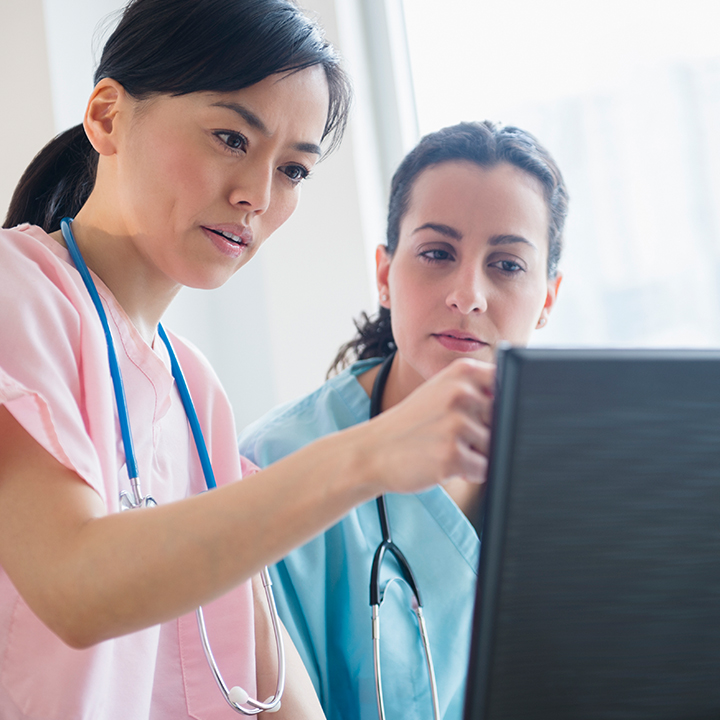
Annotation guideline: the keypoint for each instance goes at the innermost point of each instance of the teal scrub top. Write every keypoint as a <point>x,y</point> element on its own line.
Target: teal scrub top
<point>322,588</point>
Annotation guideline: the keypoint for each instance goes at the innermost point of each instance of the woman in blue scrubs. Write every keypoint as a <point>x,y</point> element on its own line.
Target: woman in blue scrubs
<point>474,236</point>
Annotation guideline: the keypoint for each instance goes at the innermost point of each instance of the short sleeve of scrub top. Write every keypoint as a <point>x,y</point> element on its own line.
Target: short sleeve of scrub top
<point>55,381</point>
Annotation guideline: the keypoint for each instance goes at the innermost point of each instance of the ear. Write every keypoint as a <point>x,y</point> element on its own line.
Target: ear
<point>552,291</point>
<point>100,122</point>
<point>382,269</point>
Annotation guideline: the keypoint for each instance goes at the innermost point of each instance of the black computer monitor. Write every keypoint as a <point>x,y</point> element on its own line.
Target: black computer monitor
<point>599,579</point>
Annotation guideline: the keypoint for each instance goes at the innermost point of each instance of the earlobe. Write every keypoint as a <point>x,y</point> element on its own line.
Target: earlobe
<point>100,121</point>
<point>550,297</point>
<point>382,269</point>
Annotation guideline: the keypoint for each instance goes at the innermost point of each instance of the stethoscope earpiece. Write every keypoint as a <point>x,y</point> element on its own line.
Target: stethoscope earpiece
<point>238,695</point>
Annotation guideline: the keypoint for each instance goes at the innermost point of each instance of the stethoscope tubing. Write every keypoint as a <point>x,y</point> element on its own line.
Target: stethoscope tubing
<point>272,703</point>
<point>119,387</point>
<point>190,411</point>
<point>138,500</point>
<point>388,546</point>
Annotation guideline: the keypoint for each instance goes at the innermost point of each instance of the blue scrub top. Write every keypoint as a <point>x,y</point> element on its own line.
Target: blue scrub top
<point>322,588</point>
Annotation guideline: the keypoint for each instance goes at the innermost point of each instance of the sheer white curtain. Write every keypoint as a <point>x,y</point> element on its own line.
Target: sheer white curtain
<point>626,96</point>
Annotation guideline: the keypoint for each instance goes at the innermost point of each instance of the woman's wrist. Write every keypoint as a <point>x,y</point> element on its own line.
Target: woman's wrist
<point>347,460</point>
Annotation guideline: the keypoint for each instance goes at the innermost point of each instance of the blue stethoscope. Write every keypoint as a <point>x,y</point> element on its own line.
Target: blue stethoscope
<point>388,546</point>
<point>236,697</point>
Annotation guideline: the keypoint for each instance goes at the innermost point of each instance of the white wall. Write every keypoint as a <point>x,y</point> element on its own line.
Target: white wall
<point>271,332</point>
<point>26,120</point>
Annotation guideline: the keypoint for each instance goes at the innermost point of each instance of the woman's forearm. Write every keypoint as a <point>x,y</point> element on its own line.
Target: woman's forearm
<point>91,576</point>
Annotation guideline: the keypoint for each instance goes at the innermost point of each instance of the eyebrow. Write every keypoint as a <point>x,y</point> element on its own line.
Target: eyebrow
<point>255,122</point>
<point>455,234</point>
<point>446,230</point>
<point>510,239</point>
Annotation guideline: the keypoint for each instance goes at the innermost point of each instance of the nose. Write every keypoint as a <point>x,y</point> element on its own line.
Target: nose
<point>252,186</point>
<point>468,293</point>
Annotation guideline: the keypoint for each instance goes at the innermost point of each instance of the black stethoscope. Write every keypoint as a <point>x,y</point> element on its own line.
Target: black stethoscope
<point>388,546</point>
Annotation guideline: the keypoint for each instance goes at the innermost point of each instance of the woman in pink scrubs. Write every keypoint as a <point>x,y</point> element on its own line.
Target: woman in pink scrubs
<point>205,118</point>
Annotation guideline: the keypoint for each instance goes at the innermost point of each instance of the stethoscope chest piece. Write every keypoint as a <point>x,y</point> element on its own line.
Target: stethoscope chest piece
<point>137,501</point>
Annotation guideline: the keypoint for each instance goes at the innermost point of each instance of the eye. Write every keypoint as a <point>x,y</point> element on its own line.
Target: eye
<point>509,267</point>
<point>232,140</point>
<point>436,255</point>
<point>295,173</point>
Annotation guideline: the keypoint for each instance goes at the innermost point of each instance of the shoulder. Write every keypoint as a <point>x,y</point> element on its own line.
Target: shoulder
<point>31,245</point>
<point>40,284</point>
<point>53,357</point>
<point>337,404</point>
<point>37,270</point>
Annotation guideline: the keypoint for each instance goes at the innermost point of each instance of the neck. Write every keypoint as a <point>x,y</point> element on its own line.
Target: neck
<point>401,381</point>
<point>113,256</point>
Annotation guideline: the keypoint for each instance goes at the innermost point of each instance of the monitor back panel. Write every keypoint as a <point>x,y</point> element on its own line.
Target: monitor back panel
<point>599,585</point>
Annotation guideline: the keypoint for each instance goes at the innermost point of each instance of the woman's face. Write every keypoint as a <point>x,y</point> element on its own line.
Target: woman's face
<point>470,268</point>
<point>202,180</point>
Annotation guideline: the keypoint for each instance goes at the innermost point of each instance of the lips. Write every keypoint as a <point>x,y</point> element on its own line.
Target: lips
<point>229,239</point>
<point>459,341</point>
<point>229,236</point>
<point>240,234</point>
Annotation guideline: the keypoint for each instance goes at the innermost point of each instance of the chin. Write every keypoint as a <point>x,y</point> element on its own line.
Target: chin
<point>487,354</point>
<point>207,282</point>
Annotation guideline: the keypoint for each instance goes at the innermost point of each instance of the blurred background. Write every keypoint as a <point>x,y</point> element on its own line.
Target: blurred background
<point>624,93</point>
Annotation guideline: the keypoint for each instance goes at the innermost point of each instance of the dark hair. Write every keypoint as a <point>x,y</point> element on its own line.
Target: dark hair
<point>484,144</point>
<point>178,47</point>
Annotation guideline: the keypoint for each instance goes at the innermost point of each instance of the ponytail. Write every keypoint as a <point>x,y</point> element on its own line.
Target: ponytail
<point>57,182</point>
<point>374,338</point>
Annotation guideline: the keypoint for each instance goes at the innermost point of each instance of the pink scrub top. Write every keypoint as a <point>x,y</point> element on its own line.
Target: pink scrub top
<point>55,380</point>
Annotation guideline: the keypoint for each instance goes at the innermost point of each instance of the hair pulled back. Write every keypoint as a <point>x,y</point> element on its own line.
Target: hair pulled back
<point>178,47</point>
<point>487,145</point>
